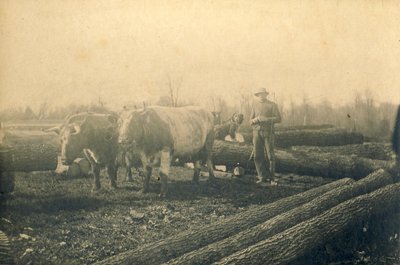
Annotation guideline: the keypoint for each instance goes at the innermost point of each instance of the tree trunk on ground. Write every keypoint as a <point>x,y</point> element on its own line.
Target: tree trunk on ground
<point>28,157</point>
<point>326,137</point>
<point>277,224</point>
<point>73,171</point>
<point>279,128</point>
<point>298,240</point>
<point>84,166</point>
<point>378,151</point>
<point>321,164</point>
<point>15,137</point>
<point>174,246</point>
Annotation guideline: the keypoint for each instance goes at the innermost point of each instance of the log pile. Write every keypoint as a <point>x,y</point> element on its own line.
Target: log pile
<point>302,163</point>
<point>246,238</point>
<point>174,246</point>
<point>265,235</point>
<point>287,246</point>
<point>379,151</point>
<point>325,137</point>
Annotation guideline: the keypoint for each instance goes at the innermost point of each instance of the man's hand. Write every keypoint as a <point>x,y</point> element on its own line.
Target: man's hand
<point>254,121</point>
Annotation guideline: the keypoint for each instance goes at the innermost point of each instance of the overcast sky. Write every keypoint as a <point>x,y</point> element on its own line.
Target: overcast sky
<point>74,51</point>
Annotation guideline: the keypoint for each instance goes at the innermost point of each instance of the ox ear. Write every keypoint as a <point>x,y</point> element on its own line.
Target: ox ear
<point>56,129</point>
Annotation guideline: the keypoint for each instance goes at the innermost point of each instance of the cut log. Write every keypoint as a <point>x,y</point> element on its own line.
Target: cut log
<point>73,171</point>
<point>277,224</point>
<point>28,157</point>
<point>84,166</point>
<point>312,164</point>
<point>14,137</point>
<point>287,246</point>
<point>379,151</point>
<point>174,246</point>
<point>326,137</point>
<point>278,127</point>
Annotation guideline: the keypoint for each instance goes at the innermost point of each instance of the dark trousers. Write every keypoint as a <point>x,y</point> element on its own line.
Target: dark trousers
<point>264,155</point>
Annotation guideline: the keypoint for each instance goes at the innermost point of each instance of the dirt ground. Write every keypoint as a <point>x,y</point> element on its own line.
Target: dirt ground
<point>50,219</point>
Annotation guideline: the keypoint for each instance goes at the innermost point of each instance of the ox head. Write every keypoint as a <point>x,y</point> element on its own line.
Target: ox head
<point>83,131</point>
<point>131,129</point>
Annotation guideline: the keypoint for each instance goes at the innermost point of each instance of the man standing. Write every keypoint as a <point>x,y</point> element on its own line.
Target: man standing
<point>264,115</point>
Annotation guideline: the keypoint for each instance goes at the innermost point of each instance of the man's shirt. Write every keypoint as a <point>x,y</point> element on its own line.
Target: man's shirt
<point>265,109</point>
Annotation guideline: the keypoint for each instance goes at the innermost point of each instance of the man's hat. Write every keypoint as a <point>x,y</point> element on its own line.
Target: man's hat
<point>261,90</point>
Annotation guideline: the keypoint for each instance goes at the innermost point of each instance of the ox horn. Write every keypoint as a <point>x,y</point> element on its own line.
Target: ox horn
<point>76,128</point>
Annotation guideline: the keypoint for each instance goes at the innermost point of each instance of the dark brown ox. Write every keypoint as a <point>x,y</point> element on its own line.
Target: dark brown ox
<point>96,136</point>
<point>161,134</point>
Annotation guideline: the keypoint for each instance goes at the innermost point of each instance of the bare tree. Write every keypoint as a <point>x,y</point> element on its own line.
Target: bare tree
<point>174,88</point>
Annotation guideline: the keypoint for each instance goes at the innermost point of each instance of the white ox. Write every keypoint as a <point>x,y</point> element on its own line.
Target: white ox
<point>160,134</point>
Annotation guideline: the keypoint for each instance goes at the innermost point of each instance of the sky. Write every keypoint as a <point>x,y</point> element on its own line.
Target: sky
<point>73,51</point>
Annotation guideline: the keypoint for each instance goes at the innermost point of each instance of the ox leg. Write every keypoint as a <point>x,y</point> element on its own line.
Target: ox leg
<point>112,174</point>
<point>164,171</point>
<point>147,170</point>
<point>208,151</point>
<point>128,165</point>
<point>96,175</point>
<point>196,174</point>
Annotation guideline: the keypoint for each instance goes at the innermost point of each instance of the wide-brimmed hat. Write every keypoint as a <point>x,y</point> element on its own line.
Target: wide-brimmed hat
<point>261,90</point>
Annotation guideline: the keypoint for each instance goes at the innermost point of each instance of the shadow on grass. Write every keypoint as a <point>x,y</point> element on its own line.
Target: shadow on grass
<point>53,204</point>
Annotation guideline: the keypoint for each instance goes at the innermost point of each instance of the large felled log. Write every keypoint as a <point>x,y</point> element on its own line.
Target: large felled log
<point>379,151</point>
<point>174,246</point>
<point>278,127</point>
<point>326,137</point>
<point>13,137</point>
<point>298,240</point>
<point>251,236</point>
<point>28,157</point>
<point>312,164</point>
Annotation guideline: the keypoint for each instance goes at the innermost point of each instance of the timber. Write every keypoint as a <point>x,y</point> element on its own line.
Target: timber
<point>28,157</point>
<point>289,245</point>
<point>84,166</point>
<point>174,246</point>
<point>325,137</point>
<point>278,127</point>
<point>379,151</point>
<point>279,223</point>
<point>13,137</point>
<point>302,163</point>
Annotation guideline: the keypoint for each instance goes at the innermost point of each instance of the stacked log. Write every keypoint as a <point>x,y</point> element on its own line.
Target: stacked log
<point>278,127</point>
<point>174,246</point>
<point>14,137</point>
<point>379,151</point>
<point>289,161</point>
<point>246,238</point>
<point>325,137</point>
<point>287,246</point>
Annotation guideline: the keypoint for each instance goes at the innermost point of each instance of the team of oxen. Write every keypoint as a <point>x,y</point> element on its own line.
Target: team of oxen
<point>157,134</point>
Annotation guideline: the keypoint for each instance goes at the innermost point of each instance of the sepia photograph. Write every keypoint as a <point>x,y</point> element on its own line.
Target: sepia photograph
<point>199,132</point>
